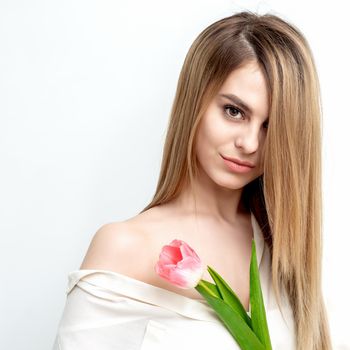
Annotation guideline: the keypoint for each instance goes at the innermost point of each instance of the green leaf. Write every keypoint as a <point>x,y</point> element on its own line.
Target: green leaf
<point>229,296</point>
<point>238,328</point>
<point>258,315</point>
<point>212,287</point>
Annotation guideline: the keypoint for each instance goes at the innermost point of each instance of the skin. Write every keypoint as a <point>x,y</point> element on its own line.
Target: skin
<point>221,223</point>
<point>230,134</point>
<point>218,190</point>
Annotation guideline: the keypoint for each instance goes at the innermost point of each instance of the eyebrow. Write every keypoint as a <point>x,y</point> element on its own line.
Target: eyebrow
<point>235,99</point>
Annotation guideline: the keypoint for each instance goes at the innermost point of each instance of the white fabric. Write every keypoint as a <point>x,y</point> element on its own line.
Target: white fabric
<point>109,311</point>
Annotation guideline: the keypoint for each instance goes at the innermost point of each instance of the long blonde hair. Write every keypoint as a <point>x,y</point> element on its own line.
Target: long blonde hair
<point>287,199</point>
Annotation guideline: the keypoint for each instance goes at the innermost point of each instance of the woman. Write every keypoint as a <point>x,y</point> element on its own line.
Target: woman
<point>242,159</point>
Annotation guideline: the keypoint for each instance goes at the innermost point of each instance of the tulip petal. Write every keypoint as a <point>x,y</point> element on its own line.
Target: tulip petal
<point>179,264</point>
<point>189,263</point>
<point>170,254</point>
<point>187,251</point>
<point>163,270</point>
<point>179,278</point>
<point>176,243</point>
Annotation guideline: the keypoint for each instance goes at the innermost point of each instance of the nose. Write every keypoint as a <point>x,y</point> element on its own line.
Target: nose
<point>248,140</point>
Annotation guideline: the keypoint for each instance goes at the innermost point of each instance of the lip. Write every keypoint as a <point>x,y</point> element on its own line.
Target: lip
<point>237,168</point>
<point>239,162</point>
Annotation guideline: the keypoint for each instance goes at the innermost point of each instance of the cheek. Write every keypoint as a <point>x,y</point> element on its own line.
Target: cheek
<point>214,130</point>
<point>208,142</point>
<point>260,167</point>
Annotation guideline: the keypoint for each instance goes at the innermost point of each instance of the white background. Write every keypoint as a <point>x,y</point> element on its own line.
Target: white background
<point>86,89</point>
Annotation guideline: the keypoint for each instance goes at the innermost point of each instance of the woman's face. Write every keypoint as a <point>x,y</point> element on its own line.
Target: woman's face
<point>230,130</point>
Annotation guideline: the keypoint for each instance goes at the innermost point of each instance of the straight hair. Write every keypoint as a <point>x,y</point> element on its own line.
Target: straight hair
<point>287,199</point>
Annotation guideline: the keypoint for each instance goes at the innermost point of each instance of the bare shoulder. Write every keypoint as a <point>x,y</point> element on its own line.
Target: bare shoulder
<point>132,247</point>
<point>117,247</point>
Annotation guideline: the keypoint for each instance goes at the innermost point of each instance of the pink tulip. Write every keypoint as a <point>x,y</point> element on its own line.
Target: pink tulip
<point>180,265</point>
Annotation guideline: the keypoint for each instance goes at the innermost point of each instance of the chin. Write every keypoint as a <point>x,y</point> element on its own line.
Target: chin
<point>233,184</point>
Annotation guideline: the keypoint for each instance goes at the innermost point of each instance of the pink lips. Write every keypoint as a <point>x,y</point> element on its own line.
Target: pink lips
<point>240,162</point>
<point>238,168</point>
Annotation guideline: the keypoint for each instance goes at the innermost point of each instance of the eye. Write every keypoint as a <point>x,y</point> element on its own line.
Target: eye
<point>266,125</point>
<point>232,108</point>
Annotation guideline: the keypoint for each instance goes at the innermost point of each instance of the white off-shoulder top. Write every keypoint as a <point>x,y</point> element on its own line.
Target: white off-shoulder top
<point>106,310</point>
